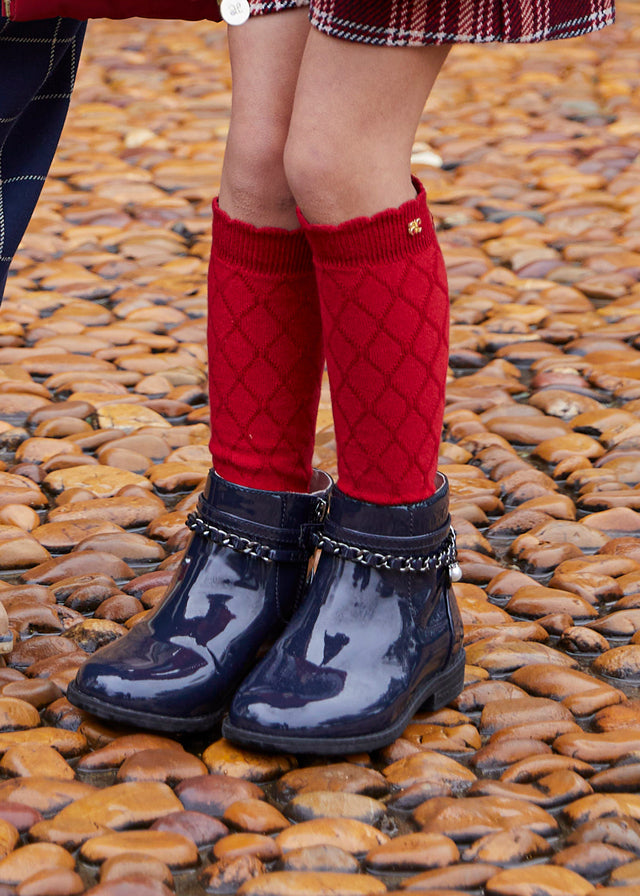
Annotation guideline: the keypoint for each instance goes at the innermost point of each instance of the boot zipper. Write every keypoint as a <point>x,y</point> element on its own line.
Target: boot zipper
<point>7,8</point>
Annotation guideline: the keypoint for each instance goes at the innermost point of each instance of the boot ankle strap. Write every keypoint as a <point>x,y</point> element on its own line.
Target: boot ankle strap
<point>445,555</point>
<point>244,545</point>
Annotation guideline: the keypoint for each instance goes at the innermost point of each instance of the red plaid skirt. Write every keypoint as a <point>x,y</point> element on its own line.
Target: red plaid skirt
<point>393,23</point>
<point>415,22</point>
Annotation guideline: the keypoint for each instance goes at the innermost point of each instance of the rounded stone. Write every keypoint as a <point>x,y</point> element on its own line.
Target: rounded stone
<point>539,880</point>
<point>623,832</point>
<point>627,875</point>
<point>42,796</point>
<point>68,743</point>
<point>18,815</point>
<point>114,753</point>
<point>132,547</point>
<point>25,761</point>
<point>615,522</point>
<point>127,863</point>
<point>202,829</point>
<point>620,662</point>
<point>53,882</point>
<point>20,550</point>
<point>584,640</point>
<point>174,850</point>
<point>259,845</point>
<point>557,788</point>
<point>28,860</point>
<point>340,776</point>
<point>501,657</point>
<point>429,766</point>
<point>311,883</point>
<point>497,715</point>
<point>566,685</point>
<point>228,875</point>
<point>162,764</point>
<point>437,891</point>
<point>617,890</point>
<point>501,754</point>
<point>408,798</point>
<point>412,852</point>
<point>123,510</point>
<point>592,861</point>
<point>213,794</point>
<point>449,739</point>
<point>347,833</point>
<point>129,418</point>
<point>16,489</point>
<point>475,696</point>
<point>46,647</point>
<point>19,515</point>
<point>533,768</point>
<point>126,886</point>
<point>619,779</point>
<point>84,593</point>
<point>597,805</point>
<point>78,564</point>
<point>536,601</point>
<point>473,817</point>
<point>255,816</point>
<point>320,858</point>
<point>506,848</point>
<point>91,634</point>
<point>100,480</point>
<point>36,450</point>
<point>16,714</point>
<point>223,758</point>
<point>121,806</point>
<point>470,876</point>
<point>39,692</point>
<point>9,837</point>
<point>592,586</point>
<point>118,608</point>
<point>332,804</point>
<point>570,445</point>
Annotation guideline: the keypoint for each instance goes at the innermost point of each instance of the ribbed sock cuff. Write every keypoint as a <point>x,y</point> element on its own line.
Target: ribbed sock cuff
<point>384,237</point>
<point>265,250</point>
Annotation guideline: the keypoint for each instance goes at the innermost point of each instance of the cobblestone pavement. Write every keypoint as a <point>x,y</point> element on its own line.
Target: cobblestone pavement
<point>528,785</point>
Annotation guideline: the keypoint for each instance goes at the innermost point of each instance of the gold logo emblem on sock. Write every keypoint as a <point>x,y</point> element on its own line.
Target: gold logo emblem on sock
<point>415,227</point>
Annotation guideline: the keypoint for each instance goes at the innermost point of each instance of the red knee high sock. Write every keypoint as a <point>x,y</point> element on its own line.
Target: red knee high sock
<point>385,318</point>
<point>265,355</point>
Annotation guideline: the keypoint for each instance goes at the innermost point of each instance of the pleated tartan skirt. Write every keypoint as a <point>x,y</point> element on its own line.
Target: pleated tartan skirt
<point>401,23</point>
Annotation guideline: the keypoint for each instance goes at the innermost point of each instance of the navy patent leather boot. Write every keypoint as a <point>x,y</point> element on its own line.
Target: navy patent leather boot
<point>243,573</point>
<point>377,636</point>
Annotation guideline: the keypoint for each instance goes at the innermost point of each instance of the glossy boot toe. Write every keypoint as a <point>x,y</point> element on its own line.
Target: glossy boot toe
<point>243,573</point>
<point>377,636</point>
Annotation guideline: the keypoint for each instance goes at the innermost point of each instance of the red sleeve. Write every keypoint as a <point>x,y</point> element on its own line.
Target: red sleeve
<point>190,10</point>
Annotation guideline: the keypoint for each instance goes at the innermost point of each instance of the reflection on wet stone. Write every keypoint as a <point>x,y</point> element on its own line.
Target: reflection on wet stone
<point>527,785</point>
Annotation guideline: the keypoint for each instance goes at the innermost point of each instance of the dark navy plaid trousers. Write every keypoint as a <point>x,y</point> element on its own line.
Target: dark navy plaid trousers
<point>38,62</point>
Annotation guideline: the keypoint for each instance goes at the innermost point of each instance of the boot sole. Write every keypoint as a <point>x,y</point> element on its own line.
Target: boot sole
<point>148,721</point>
<point>436,693</point>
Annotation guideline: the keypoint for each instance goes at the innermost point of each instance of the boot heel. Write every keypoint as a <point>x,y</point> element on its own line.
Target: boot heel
<point>447,685</point>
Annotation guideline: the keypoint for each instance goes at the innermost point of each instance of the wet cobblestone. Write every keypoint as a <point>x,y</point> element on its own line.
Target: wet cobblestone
<point>528,784</point>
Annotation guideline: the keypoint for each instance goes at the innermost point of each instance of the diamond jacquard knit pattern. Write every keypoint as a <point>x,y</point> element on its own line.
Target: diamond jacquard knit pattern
<point>385,319</point>
<point>265,355</point>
